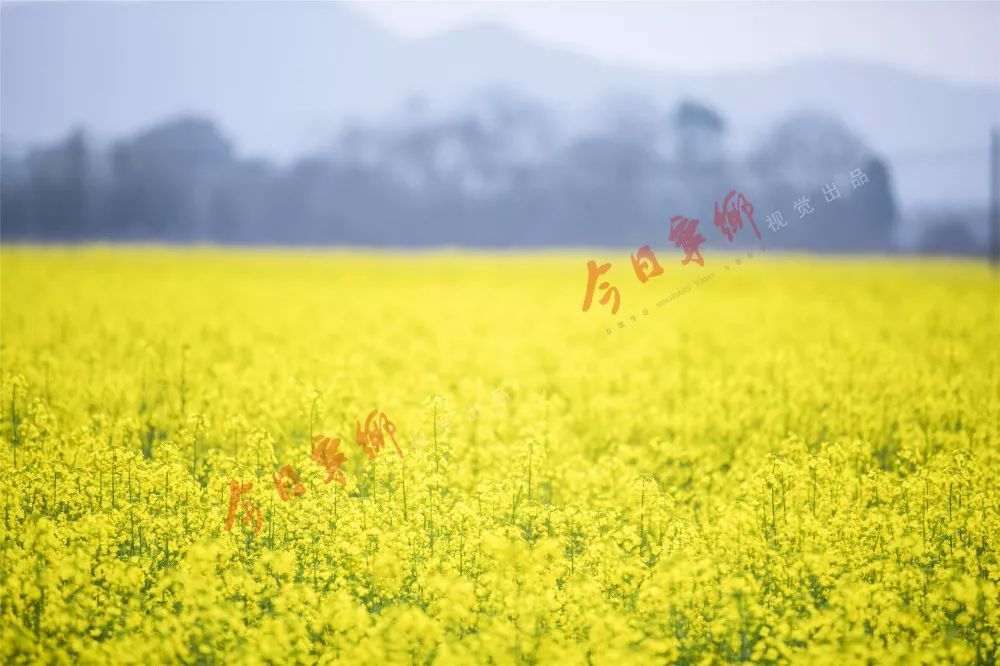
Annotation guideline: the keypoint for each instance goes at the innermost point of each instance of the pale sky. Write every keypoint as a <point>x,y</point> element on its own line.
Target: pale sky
<point>959,41</point>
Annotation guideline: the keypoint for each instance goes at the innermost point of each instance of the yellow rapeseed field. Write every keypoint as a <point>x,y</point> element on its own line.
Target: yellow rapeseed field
<point>794,460</point>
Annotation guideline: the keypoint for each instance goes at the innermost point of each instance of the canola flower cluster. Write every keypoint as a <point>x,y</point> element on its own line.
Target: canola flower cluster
<point>795,464</point>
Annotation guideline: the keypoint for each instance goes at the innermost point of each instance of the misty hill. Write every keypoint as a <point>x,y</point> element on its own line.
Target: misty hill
<point>282,77</point>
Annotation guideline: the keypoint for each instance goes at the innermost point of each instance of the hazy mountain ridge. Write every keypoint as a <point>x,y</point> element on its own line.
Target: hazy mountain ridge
<point>281,78</point>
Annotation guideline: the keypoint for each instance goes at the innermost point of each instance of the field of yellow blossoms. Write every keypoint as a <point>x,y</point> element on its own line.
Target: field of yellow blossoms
<point>793,461</point>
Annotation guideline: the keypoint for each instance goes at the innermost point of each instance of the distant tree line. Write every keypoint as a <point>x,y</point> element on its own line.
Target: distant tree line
<point>501,172</point>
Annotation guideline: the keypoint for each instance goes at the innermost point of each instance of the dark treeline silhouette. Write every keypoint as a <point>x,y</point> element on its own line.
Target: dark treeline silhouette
<point>501,172</point>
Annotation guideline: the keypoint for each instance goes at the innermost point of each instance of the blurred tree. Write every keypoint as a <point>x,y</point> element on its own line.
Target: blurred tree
<point>700,132</point>
<point>498,171</point>
<point>807,149</point>
<point>877,214</point>
<point>811,155</point>
<point>950,236</point>
<point>698,172</point>
<point>16,216</point>
<point>243,204</point>
<point>165,181</point>
<point>53,193</point>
